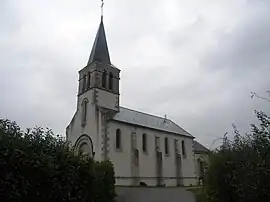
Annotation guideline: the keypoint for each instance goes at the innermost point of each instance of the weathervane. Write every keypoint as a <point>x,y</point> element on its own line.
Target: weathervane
<point>102,3</point>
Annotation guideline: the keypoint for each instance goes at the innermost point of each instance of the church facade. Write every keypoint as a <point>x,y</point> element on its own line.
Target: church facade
<point>143,148</point>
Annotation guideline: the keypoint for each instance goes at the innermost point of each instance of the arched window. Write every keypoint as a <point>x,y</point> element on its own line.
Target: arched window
<point>183,149</point>
<point>166,145</point>
<point>89,80</point>
<point>118,139</point>
<point>110,81</point>
<point>104,78</point>
<point>144,142</point>
<point>84,111</point>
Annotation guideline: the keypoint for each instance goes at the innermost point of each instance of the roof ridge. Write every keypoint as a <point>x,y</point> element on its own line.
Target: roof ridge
<point>146,113</point>
<point>171,121</point>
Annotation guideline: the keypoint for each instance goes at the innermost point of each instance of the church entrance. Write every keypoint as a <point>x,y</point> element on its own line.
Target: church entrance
<point>178,167</point>
<point>84,146</point>
<point>159,168</point>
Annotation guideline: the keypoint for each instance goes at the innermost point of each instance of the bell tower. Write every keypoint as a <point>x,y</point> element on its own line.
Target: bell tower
<point>100,76</point>
<point>97,100</point>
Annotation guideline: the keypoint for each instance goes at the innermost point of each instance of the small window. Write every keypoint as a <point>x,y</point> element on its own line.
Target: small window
<point>118,139</point>
<point>89,80</point>
<point>183,149</point>
<point>84,111</point>
<point>104,78</point>
<point>110,81</point>
<point>144,143</point>
<point>166,145</point>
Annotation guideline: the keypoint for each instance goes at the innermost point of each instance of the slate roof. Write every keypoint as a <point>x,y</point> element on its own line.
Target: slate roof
<point>100,52</point>
<point>150,121</point>
<point>199,148</point>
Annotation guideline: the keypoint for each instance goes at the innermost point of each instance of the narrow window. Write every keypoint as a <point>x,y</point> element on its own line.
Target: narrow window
<point>144,143</point>
<point>183,149</point>
<point>118,139</point>
<point>104,77</point>
<point>89,80</point>
<point>166,146</point>
<point>84,83</point>
<point>84,111</point>
<point>110,81</point>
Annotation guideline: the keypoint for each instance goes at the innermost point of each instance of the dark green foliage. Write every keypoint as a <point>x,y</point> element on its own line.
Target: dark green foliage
<point>36,166</point>
<point>240,170</point>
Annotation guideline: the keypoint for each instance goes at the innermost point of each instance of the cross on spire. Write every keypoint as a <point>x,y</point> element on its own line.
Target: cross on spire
<point>100,52</point>
<point>102,4</point>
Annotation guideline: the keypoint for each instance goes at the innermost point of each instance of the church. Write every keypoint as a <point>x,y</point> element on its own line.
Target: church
<point>144,149</point>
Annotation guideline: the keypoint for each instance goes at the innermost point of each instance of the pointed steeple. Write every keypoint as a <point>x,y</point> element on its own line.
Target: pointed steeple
<point>100,52</point>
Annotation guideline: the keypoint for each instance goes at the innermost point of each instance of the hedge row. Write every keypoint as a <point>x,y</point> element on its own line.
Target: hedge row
<point>36,165</point>
<point>239,170</point>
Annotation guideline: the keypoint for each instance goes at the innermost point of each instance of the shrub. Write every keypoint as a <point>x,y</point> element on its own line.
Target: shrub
<point>239,170</point>
<point>36,165</point>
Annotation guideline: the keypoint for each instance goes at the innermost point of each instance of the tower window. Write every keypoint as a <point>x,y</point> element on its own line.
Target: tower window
<point>183,149</point>
<point>84,83</point>
<point>110,81</point>
<point>144,143</point>
<point>84,111</point>
<point>118,139</point>
<point>89,80</point>
<point>104,78</point>
<point>166,145</point>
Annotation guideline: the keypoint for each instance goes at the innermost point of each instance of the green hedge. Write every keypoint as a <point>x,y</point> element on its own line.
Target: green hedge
<point>239,170</point>
<point>36,165</point>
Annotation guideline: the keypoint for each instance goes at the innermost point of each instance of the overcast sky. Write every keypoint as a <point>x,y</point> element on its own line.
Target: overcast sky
<point>194,60</point>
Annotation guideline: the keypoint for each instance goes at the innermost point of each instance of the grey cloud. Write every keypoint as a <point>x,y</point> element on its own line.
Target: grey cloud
<point>197,72</point>
<point>218,94</point>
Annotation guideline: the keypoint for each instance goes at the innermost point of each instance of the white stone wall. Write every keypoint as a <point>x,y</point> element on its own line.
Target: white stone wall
<point>122,159</point>
<point>107,100</point>
<point>147,161</point>
<point>92,126</point>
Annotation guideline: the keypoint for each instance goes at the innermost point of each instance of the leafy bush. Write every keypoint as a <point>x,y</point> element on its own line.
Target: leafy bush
<point>239,170</point>
<point>36,165</point>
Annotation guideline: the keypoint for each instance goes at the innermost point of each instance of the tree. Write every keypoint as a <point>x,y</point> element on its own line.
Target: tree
<point>36,165</point>
<point>267,98</point>
<point>240,169</point>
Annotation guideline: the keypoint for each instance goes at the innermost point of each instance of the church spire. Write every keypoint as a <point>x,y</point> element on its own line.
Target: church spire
<point>100,52</point>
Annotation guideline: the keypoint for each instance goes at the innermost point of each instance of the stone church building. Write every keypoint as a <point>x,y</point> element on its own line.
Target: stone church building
<point>143,148</point>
